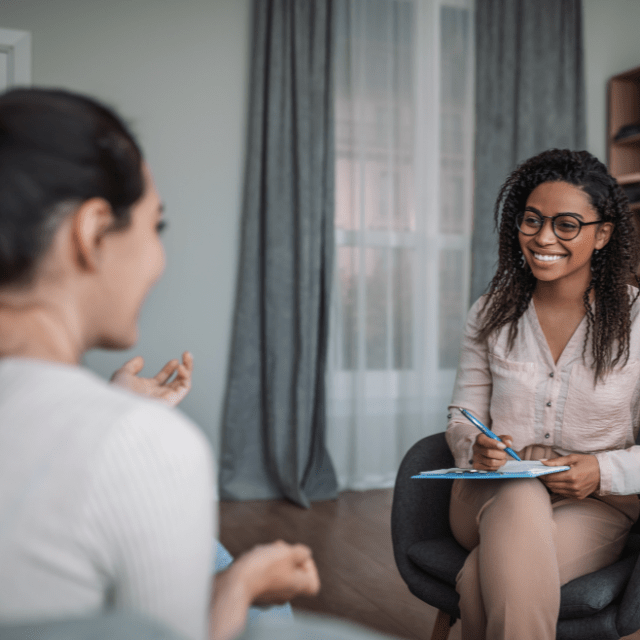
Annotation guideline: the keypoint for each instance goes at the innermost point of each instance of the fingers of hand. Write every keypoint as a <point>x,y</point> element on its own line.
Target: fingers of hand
<point>280,571</point>
<point>507,440</point>
<point>135,365</point>
<point>304,574</point>
<point>299,552</point>
<point>187,361</point>
<point>166,372</point>
<point>489,443</point>
<point>183,377</point>
<point>578,482</point>
<point>310,584</point>
<point>561,461</point>
<point>488,453</point>
<point>487,464</point>
<point>132,367</point>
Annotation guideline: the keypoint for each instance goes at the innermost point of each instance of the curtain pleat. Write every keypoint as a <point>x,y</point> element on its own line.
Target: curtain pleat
<point>273,436</point>
<point>529,97</point>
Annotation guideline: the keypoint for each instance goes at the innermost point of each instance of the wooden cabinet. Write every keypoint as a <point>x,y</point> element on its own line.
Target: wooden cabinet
<point>623,135</point>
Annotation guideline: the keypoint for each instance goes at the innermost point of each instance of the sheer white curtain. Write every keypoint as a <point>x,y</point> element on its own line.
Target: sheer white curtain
<point>404,142</point>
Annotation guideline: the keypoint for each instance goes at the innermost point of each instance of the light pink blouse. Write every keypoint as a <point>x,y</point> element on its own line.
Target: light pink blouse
<point>523,393</point>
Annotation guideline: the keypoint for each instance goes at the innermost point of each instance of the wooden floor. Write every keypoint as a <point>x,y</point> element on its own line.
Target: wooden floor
<point>351,542</point>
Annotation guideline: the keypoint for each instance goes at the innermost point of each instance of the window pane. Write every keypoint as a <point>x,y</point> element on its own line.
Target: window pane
<point>348,258</point>
<point>376,265</point>
<point>375,131</point>
<point>452,192</point>
<point>454,121</point>
<point>454,39</point>
<point>388,303</point>
<point>451,316</point>
<point>347,202</point>
<point>402,292</point>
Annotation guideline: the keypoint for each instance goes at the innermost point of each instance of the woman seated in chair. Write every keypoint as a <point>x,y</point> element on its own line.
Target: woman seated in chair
<point>551,363</point>
<point>107,499</point>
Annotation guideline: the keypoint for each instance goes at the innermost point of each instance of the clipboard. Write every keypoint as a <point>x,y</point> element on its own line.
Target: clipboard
<point>510,469</point>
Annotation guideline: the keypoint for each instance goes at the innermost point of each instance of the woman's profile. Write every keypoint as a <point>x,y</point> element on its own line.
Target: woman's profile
<point>107,499</point>
<point>550,362</point>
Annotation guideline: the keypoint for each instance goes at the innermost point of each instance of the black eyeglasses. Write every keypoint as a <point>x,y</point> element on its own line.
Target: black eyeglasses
<point>565,226</point>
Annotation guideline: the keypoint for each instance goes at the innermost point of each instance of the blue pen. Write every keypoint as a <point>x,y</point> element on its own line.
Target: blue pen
<point>473,420</point>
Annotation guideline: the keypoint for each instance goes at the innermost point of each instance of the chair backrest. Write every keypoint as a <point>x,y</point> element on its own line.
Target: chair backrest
<point>420,509</point>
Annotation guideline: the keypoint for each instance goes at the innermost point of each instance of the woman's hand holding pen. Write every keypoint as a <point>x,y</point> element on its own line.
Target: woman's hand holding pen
<point>490,454</point>
<point>579,482</point>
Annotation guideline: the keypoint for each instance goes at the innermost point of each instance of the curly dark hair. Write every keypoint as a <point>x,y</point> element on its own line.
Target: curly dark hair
<point>613,267</point>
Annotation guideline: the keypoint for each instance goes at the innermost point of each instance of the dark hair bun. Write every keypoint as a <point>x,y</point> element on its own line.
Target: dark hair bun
<point>58,147</point>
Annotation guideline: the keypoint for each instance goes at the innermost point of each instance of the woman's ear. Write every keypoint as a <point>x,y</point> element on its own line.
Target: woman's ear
<point>603,234</point>
<point>91,222</point>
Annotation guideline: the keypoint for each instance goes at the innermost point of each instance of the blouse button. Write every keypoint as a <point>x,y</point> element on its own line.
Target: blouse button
<point>551,375</point>
<point>548,404</point>
<point>546,435</point>
<point>449,416</point>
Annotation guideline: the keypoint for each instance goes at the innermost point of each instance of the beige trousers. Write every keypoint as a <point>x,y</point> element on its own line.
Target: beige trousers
<point>525,543</point>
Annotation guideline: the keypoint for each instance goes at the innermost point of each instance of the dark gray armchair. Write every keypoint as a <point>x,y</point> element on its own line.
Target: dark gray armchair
<point>604,605</point>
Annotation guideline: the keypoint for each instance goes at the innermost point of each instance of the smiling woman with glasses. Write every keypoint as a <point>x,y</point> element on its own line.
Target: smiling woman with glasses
<point>550,362</point>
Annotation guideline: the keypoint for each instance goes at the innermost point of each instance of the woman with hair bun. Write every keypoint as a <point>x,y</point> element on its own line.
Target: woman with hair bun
<point>550,362</point>
<point>107,499</point>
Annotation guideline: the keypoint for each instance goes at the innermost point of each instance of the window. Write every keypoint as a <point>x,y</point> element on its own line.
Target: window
<point>404,140</point>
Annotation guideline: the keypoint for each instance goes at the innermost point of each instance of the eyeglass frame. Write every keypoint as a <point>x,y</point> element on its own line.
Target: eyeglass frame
<point>553,224</point>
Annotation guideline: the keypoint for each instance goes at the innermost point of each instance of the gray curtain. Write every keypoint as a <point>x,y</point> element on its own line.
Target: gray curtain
<point>529,97</point>
<point>273,436</point>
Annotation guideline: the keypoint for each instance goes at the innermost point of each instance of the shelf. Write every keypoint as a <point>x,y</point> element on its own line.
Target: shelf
<point>623,156</point>
<point>628,141</point>
<point>628,178</point>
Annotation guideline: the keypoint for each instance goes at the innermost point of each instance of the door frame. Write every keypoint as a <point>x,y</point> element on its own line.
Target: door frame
<point>16,45</point>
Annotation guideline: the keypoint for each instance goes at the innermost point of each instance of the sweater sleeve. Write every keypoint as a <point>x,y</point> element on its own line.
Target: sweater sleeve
<point>472,391</point>
<point>151,513</point>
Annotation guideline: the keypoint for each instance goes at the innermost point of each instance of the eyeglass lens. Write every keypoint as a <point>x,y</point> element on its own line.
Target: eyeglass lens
<point>565,227</point>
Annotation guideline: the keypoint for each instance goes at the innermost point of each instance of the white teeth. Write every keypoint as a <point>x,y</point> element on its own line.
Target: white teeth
<point>547,258</point>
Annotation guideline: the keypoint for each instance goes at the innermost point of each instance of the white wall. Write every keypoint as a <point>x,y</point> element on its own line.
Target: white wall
<point>611,45</point>
<point>177,70</point>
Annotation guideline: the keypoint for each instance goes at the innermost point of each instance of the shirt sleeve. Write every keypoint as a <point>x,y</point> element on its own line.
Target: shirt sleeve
<point>619,471</point>
<point>472,391</point>
<point>151,517</point>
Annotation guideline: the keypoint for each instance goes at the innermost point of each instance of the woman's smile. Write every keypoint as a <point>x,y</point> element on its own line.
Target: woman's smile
<point>548,257</point>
